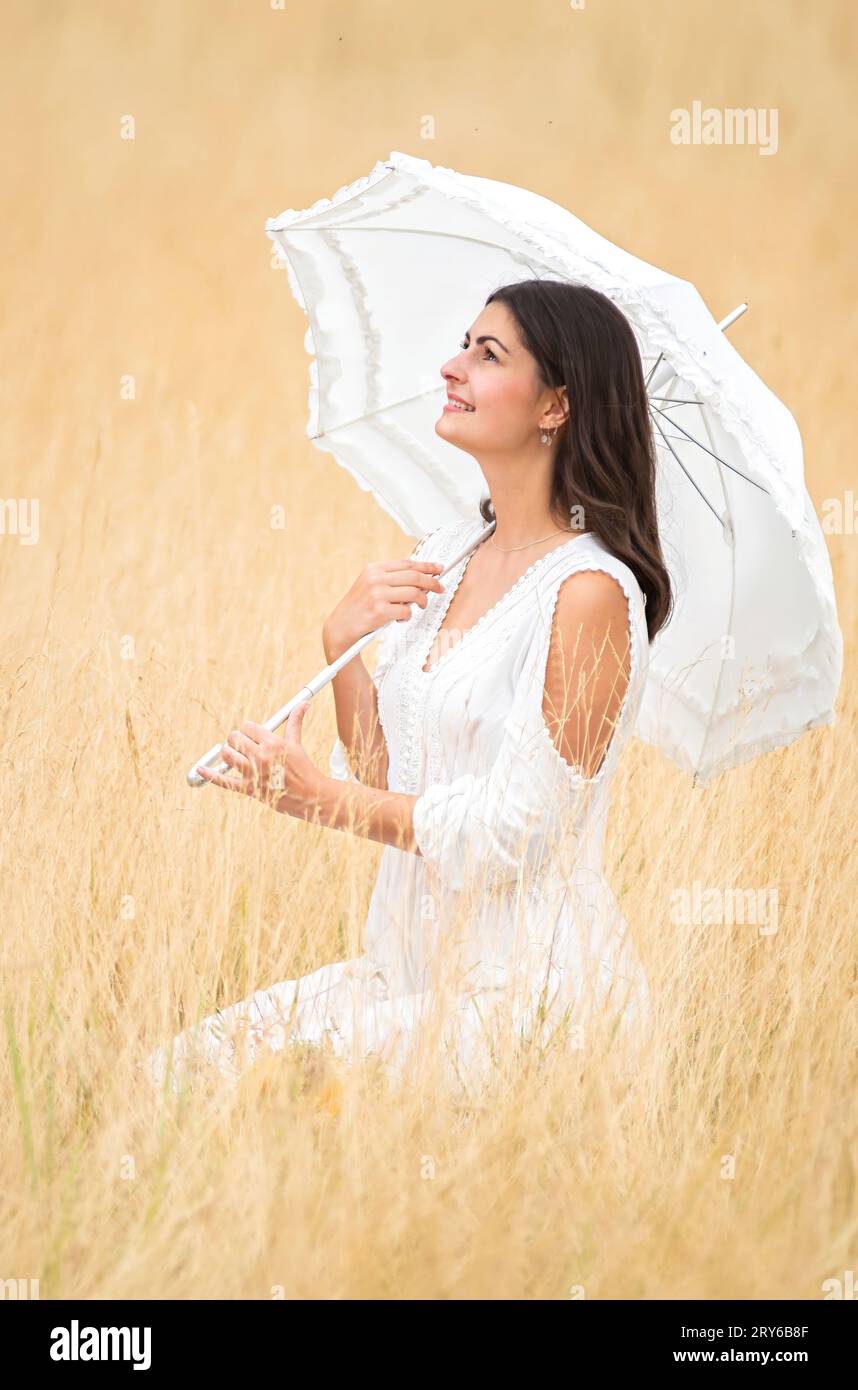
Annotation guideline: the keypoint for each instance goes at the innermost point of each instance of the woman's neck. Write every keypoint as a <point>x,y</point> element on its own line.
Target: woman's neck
<point>521,530</point>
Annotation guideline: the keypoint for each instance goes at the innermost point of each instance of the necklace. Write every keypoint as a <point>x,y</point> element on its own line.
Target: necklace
<point>507,550</point>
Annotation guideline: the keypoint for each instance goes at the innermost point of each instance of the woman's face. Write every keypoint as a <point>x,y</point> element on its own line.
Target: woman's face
<point>495,374</point>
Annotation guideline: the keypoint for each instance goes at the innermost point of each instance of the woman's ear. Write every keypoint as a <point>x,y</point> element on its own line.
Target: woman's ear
<point>558,410</point>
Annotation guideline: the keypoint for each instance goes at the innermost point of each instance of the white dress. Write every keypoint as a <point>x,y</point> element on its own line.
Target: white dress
<point>509,880</point>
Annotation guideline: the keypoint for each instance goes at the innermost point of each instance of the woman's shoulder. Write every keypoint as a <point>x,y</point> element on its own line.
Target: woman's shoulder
<point>585,555</point>
<point>588,552</point>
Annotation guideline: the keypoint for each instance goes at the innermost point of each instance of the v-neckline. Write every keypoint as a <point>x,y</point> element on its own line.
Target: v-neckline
<point>444,607</point>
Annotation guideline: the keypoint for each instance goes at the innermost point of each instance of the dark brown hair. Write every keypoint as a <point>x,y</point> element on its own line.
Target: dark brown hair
<point>606,459</point>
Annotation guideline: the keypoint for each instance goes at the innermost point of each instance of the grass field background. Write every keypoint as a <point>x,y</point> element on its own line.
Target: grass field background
<point>159,608</point>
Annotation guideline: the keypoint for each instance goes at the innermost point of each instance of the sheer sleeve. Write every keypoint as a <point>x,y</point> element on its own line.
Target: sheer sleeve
<point>386,653</point>
<point>490,829</point>
<point>339,763</point>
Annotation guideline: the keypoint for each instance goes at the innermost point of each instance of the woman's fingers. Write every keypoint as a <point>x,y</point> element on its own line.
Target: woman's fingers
<point>411,595</point>
<point>231,784</point>
<point>258,733</point>
<point>413,572</point>
<point>425,566</point>
<point>418,577</point>
<point>246,750</point>
<point>295,721</point>
<point>237,749</point>
<point>235,759</point>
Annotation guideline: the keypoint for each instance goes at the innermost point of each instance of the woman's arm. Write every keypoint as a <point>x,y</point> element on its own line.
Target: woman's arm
<point>358,724</point>
<point>278,772</point>
<point>384,591</point>
<point>372,813</point>
<point>588,668</point>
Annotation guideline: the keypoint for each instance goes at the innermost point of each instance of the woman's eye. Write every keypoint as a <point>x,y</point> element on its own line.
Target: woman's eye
<point>463,344</point>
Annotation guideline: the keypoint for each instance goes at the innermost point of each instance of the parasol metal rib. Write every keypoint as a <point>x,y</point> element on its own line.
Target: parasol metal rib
<point>711,452</point>
<point>693,483</point>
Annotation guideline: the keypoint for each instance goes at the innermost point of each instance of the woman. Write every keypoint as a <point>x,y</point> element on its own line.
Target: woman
<point>482,749</point>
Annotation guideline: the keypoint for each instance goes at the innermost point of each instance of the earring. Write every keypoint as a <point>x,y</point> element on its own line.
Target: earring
<point>549,439</point>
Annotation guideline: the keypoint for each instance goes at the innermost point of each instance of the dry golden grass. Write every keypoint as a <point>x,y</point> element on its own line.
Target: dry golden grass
<point>159,608</point>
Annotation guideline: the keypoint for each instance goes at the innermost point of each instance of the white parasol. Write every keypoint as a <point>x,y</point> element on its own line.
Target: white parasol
<point>389,270</point>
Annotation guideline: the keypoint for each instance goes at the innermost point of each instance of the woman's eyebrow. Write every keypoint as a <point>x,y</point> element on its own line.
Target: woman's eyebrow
<point>488,338</point>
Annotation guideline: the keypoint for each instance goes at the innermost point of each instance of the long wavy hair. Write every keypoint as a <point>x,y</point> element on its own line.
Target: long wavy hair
<point>605,462</point>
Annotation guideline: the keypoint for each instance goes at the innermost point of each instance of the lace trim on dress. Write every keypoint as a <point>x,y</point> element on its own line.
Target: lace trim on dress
<point>485,618</point>
<point>413,687</point>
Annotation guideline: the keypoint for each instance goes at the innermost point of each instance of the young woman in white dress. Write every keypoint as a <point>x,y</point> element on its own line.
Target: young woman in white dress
<point>481,750</point>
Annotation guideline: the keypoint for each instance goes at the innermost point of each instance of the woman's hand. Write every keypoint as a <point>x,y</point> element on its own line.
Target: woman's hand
<point>277,771</point>
<point>383,591</point>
